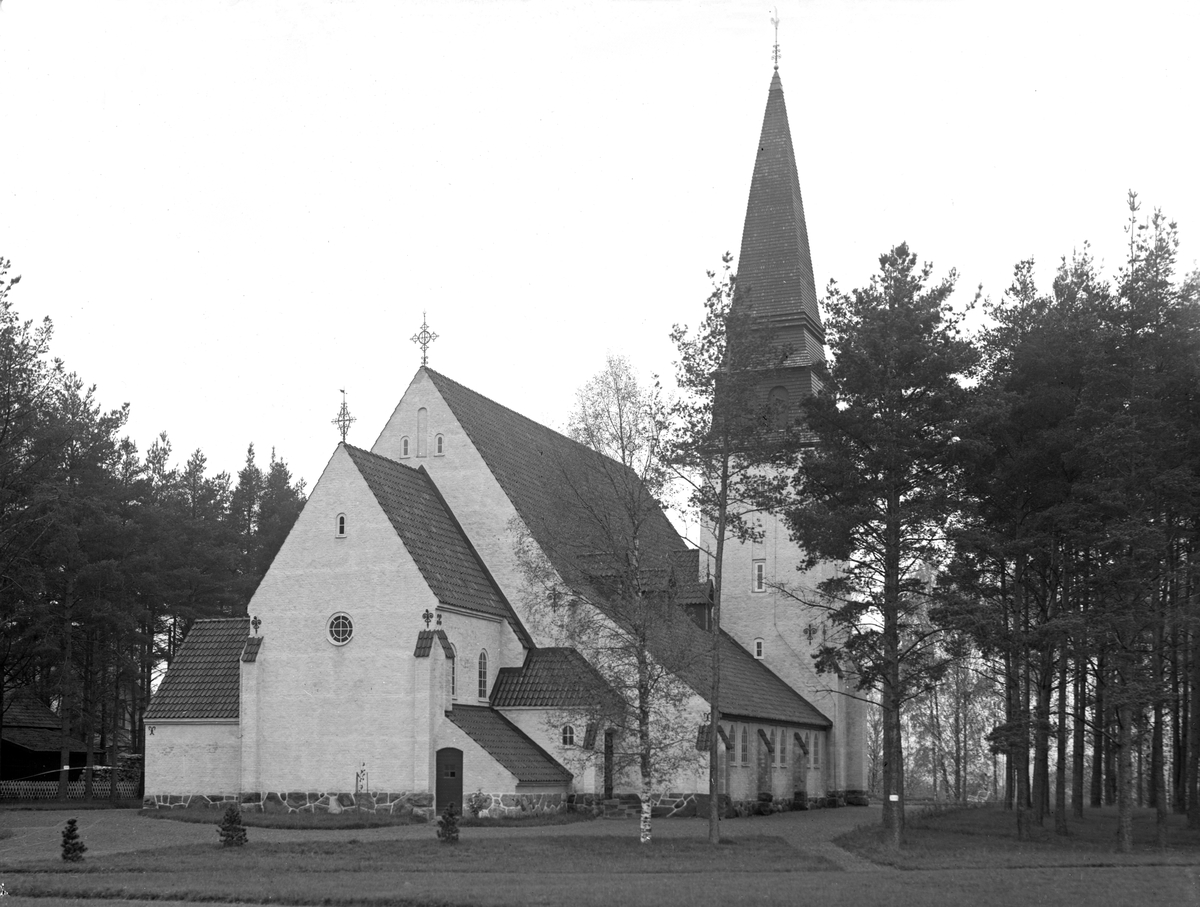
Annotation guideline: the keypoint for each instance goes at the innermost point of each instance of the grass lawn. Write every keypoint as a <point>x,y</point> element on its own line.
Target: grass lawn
<point>987,837</point>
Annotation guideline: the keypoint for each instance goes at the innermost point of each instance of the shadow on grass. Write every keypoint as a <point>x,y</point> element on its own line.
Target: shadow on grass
<point>986,837</point>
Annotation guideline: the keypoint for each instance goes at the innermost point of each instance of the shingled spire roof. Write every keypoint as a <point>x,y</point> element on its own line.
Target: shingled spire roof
<point>775,272</point>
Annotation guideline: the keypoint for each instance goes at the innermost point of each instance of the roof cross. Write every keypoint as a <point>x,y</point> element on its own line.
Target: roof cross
<point>775,22</point>
<point>343,418</point>
<point>423,338</point>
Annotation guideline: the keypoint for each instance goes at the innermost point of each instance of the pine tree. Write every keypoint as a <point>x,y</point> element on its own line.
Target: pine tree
<point>448,825</point>
<point>72,847</point>
<point>231,830</point>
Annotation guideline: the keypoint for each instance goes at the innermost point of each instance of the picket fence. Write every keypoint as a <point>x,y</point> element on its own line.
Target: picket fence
<point>48,790</point>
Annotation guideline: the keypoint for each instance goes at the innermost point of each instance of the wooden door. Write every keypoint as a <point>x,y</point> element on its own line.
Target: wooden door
<point>449,779</point>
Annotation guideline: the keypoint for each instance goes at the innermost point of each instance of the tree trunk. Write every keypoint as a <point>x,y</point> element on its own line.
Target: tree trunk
<point>1125,779</point>
<point>1158,778</point>
<point>1099,755</point>
<point>1060,782</point>
<point>893,753</point>
<point>64,705</point>
<point>1077,729</point>
<point>644,741</point>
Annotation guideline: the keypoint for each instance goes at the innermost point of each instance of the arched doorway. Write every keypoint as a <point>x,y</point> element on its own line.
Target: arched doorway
<point>449,778</point>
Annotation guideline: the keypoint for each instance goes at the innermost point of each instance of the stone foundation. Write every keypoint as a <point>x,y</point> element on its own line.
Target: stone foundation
<point>508,806</point>
<point>419,805</point>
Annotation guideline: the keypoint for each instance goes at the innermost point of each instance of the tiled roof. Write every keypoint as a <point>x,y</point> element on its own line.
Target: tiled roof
<point>250,652</point>
<point>23,709</point>
<point>508,745</point>
<point>40,740</point>
<point>775,272</point>
<point>578,504</point>
<point>431,534</point>
<point>749,689</point>
<point>203,682</point>
<point>555,678</point>
<point>425,643</point>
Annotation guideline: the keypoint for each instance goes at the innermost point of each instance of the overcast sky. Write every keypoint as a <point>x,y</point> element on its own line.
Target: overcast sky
<point>230,210</point>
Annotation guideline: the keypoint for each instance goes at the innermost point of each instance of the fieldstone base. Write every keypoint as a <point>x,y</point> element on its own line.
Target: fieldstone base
<point>403,803</point>
<point>507,806</point>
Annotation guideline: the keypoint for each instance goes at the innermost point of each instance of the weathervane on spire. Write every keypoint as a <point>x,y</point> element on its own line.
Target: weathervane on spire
<point>775,22</point>
<point>423,338</point>
<point>343,418</point>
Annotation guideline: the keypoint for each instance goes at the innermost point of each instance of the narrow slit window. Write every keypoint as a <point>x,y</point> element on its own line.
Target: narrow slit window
<point>404,446</point>
<point>341,525</point>
<point>745,747</point>
<point>758,648</point>
<point>453,672</point>
<point>759,578</point>
<point>483,675</point>
<point>439,445</point>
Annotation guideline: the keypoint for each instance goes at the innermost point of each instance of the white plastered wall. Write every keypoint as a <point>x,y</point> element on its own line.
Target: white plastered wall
<point>192,758</point>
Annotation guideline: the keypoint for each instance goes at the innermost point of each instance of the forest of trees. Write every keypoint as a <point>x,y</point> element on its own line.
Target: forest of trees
<point>1018,510</point>
<point>107,554</point>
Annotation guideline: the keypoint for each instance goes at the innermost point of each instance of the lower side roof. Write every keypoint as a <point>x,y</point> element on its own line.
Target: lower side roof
<point>509,745</point>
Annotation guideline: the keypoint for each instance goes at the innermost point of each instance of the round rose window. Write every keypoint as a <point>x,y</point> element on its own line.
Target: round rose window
<point>341,628</point>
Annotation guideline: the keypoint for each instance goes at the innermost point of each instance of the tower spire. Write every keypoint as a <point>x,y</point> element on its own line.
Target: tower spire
<point>775,272</point>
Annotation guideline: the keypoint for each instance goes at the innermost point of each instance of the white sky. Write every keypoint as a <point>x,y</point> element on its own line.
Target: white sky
<point>233,209</point>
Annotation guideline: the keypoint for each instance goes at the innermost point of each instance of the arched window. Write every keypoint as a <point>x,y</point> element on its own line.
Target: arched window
<point>784,743</point>
<point>780,403</point>
<point>758,648</point>
<point>404,446</point>
<point>568,735</point>
<point>453,672</point>
<point>745,747</point>
<point>483,675</point>
<point>341,525</point>
<point>439,445</point>
<point>422,432</point>
<point>773,755</point>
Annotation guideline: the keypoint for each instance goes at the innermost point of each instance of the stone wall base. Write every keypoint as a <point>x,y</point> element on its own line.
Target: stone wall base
<point>418,804</point>
<point>509,806</point>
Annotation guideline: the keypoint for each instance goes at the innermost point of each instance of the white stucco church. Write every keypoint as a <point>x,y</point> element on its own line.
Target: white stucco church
<point>389,659</point>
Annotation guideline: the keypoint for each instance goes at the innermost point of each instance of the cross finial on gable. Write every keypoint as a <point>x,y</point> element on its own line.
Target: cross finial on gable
<point>775,22</point>
<point>343,418</point>
<point>810,631</point>
<point>255,623</point>
<point>423,338</point>
<point>427,617</point>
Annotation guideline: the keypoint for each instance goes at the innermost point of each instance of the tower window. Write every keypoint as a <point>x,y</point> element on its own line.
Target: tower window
<point>404,446</point>
<point>483,675</point>
<point>568,735</point>
<point>439,445</point>
<point>453,672</point>
<point>758,648</point>
<point>341,525</point>
<point>758,582</point>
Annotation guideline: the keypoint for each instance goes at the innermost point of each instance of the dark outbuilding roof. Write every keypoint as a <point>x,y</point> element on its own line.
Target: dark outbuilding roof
<point>508,745</point>
<point>204,679</point>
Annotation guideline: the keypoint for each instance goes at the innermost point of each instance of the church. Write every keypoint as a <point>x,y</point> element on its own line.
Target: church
<point>397,654</point>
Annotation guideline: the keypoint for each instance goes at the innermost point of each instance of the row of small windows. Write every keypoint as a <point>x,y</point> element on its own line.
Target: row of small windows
<point>439,440</point>
<point>439,446</point>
